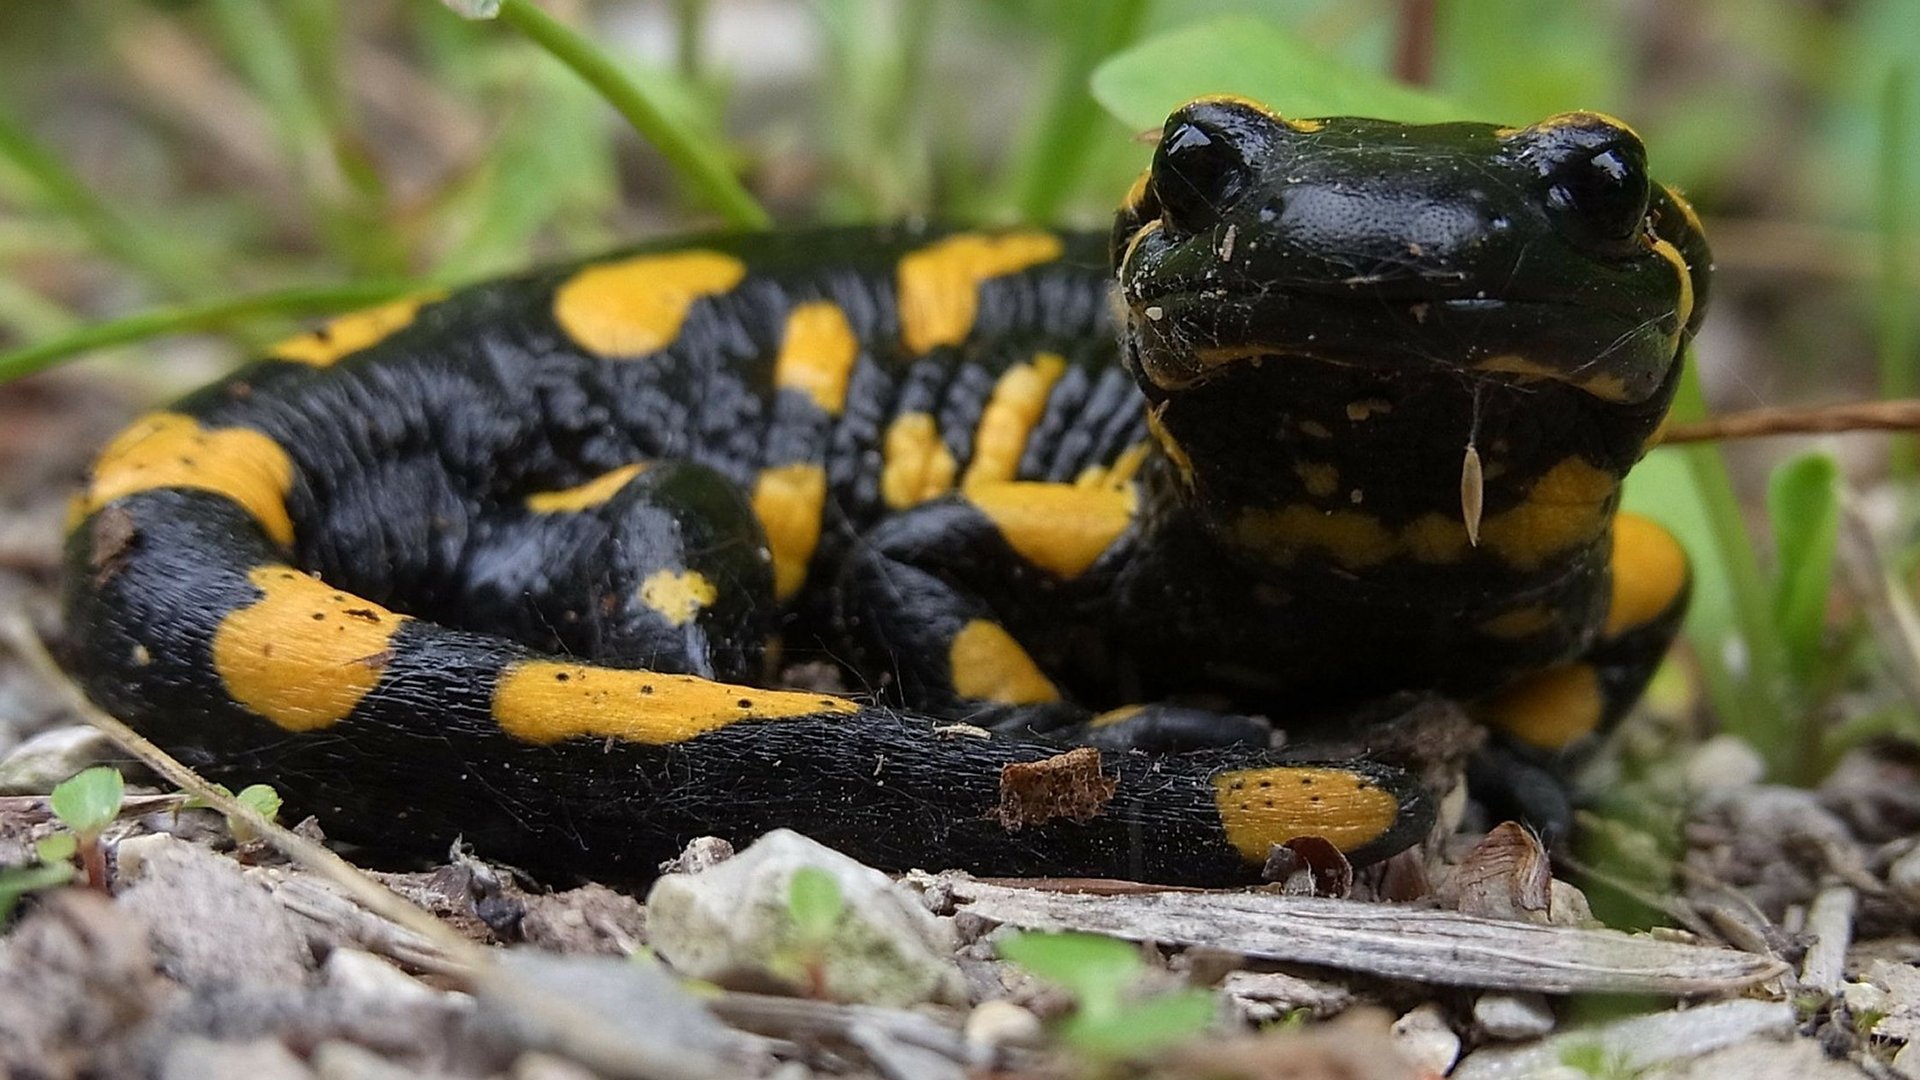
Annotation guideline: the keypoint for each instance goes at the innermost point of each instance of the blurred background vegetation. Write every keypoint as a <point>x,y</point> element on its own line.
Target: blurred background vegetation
<point>180,154</point>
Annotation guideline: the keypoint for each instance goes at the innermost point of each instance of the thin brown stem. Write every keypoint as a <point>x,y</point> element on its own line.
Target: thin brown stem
<point>1899,415</point>
<point>1413,49</point>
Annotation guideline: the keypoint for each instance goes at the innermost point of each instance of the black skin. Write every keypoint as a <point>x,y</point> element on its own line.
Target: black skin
<point>412,459</point>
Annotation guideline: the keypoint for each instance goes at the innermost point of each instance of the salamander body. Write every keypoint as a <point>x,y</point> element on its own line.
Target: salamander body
<point>522,563</point>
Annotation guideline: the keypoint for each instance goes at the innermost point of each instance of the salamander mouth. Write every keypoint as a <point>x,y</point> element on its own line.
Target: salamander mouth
<point>1182,338</point>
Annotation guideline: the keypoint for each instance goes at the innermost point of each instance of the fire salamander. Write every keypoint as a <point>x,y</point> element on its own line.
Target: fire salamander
<point>517,563</point>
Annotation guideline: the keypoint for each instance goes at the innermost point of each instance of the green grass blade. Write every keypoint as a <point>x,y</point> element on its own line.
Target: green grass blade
<point>1056,152</point>
<point>1893,302</point>
<point>1749,699</point>
<point>1803,501</point>
<point>166,266</point>
<point>698,162</point>
<point>302,300</point>
<point>1256,59</point>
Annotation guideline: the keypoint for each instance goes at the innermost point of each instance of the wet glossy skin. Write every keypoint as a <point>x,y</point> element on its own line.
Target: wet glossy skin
<point>508,563</point>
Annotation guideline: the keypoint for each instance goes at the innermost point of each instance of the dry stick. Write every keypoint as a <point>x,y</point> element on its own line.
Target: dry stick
<point>1899,415</point>
<point>480,971</point>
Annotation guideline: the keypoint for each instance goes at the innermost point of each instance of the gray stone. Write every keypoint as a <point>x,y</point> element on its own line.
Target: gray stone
<point>1511,1016</point>
<point>615,1016</point>
<point>732,925</point>
<point>1426,1040</point>
<point>1722,762</point>
<point>208,923</point>
<point>38,763</point>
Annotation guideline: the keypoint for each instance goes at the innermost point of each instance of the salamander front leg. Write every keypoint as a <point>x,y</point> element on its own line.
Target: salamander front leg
<point>970,605</point>
<point>1544,721</point>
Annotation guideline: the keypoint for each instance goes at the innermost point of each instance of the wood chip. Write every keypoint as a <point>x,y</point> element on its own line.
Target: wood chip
<point>1633,1046</point>
<point>1830,923</point>
<point>1429,946</point>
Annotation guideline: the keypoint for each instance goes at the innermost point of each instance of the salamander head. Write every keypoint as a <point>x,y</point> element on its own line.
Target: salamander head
<point>1521,254</point>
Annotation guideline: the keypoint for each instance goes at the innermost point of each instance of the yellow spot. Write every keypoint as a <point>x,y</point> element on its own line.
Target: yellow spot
<point>172,450</point>
<point>939,285</point>
<point>1568,506</point>
<point>1583,118</point>
<point>1116,716</point>
<point>817,354</point>
<point>1683,302</point>
<point>1649,573</point>
<point>1520,623</point>
<point>1358,411</point>
<point>1118,474</point>
<point>1169,446</point>
<point>1606,386</point>
<point>1058,527</point>
<point>1315,429</point>
<point>1019,398</point>
<point>1352,538</point>
<point>585,496</point>
<point>1321,480</point>
<point>988,665</point>
<point>352,332</point>
<point>635,306</point>
<point>1263,807</point>
<point>1510,364</point>
<point>1432,538</point>
<point>789,501</point>
<point>542,701</point>
<point>915,465</point>
<point>304,654</point>
<point>1549,709</point>
<point>677,595</point>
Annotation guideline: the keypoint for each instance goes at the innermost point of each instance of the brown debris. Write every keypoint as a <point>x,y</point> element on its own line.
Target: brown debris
<point>1068,785</point>
<point>113,537</point>
<point>1506,876</point>
<point>1309,866</point>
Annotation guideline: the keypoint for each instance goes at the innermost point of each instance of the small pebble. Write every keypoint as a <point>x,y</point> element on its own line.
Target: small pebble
<point>364,975</point>
<point>1426,1040</point>
<point>36,765</point>
<point>1904,876</point>
<point>997,1023</point>
<point>1513,1015</point>
<point>1907,1062</point>
<point>1722,762</point>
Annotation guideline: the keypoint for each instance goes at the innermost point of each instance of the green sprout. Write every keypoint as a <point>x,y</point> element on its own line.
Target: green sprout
<point>87,802</point>
<point>1099,972</point>
<point>53,868</point>
<point>814,905</point>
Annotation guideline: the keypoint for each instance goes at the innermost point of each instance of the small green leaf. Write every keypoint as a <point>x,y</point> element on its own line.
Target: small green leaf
<point>813,899</point>
<point>89,801</point>
<point>58,848</point>
<point>1096,969</point>
<point>1256,59</point>
<point>261,799</point>
<point>1803,500</point>
<point>1138,1030</point>
<point>17,881</point>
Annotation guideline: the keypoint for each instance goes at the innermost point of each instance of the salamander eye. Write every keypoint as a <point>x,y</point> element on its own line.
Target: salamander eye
<point>1600,195</point>
<point>1197,171</point>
